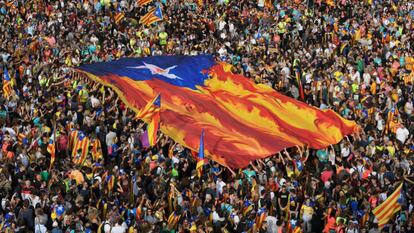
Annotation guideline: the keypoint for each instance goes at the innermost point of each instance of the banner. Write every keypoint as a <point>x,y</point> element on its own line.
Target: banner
<point>242,121</point>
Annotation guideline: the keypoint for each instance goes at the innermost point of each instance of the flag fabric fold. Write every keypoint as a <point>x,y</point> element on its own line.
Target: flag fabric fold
<point>152,108</point>
<point>388,208</point>
<point>244,121</point>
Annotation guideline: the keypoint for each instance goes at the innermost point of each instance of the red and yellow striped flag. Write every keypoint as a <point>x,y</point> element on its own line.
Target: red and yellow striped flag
<point>388,208</point>
<point>151,113</point>
<point>7,88</point>
<point>22,139</point>
<point>81,145</point>
<point>200,162</point>
<point>297,230</point>
<point>248,207</point>
<point>7,84</point>
<point>72,136</point>
<point>173,219</point>
<point>151,109</point>
<point>96,149</point>
<point>392,113</point>
<point>118,17</point>
<point>260,218</point>
<point>152,129</point>
<point>110,182</point>
<point>153,16</point>
<point>299,81</point>
<point>143,2</point>
<point>51,149</point>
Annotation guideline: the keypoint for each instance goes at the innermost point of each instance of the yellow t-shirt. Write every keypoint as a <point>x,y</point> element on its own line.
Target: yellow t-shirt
<point>391,150</point>
<point>307,210</point>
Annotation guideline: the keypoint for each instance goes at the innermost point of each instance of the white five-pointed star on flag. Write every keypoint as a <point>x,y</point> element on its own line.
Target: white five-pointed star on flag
<point>158,70</point>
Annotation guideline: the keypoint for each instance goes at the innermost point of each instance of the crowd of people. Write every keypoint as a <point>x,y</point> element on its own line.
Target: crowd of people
<point>352,56</point>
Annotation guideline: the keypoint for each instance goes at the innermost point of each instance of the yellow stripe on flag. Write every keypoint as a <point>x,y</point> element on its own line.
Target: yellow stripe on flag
<point>119,17</point>
<point>147,16</point>
<point>143,2</point>
<point>388,208</point>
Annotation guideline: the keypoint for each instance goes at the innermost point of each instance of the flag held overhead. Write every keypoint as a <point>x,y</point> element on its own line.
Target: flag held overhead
<point>388,208</point>
<point>244,121</point>
<point>153,16</point>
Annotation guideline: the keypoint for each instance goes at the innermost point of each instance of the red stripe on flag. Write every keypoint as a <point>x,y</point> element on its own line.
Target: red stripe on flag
<point>143,2</point>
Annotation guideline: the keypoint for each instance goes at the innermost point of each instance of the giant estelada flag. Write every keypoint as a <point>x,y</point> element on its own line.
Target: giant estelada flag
<point>242,121</point>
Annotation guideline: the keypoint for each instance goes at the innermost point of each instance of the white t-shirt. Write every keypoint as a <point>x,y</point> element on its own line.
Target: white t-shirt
<point>402,134</point>
<point>220,185</point>
<point>367,78</point>
<point>356,76</point>
<point>380,124</point>
<point>272,223</point>
<point>40,228</point>
<point>222,24</point>
<point>175,160</point>
<point>107,227</point>
<point>216,217</point>
<point>408,108</point>
<point>286,71</point>
<point>95,102</point>
<point>118,229</point>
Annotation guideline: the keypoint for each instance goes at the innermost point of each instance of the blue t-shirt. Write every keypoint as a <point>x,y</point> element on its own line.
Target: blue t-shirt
<point>114,150</point>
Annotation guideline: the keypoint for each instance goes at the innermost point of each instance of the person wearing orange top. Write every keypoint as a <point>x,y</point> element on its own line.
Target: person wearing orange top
<point>330,221</point>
